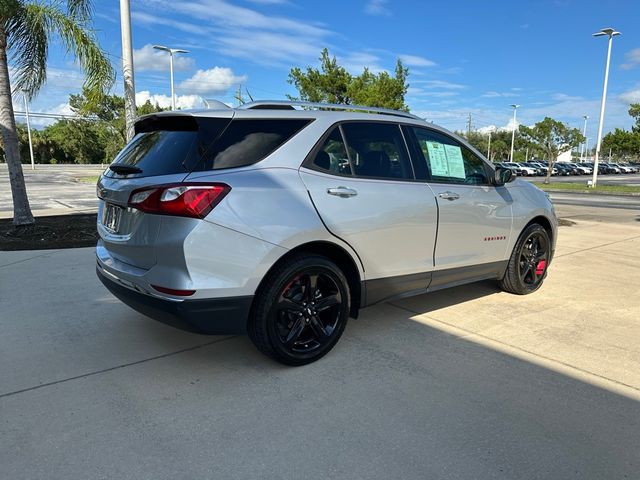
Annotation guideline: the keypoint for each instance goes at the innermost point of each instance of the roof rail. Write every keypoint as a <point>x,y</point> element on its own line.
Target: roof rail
<point>289,104</point>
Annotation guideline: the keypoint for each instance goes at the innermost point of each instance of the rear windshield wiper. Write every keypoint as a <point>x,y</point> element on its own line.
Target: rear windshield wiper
<point>124,169</point>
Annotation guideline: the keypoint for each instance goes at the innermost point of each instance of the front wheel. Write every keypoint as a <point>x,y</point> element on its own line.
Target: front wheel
<point>301,310</point>
<point>528,264</point>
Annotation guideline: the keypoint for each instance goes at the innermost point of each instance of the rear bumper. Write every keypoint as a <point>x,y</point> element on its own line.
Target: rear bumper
<point>216,316</point>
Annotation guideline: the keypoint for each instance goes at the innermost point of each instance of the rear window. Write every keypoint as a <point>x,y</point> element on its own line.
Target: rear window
<point>169,145</point>
<point>166,145</point>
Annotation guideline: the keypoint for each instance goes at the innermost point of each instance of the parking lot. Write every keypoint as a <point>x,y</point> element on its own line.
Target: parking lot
<point>463,383</point>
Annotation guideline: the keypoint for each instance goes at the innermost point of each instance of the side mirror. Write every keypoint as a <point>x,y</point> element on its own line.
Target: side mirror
<point>502,176</point>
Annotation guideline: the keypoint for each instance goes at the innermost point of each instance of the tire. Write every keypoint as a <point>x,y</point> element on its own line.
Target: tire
<point>301,310</point>
<point>528,263</point>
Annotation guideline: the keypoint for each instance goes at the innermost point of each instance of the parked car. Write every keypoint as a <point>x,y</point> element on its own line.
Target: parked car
<point>515,170</point>
<point>611,167</point>
<point>624,168</point>
<point>538,168</point>
<point>582,169</point>
<point>565,169</point>
<point>284,222</point>
<point>542,168</point>
<point>522,169</point>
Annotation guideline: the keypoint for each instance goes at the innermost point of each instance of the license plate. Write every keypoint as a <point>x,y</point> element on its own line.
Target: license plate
<point>111,217</point>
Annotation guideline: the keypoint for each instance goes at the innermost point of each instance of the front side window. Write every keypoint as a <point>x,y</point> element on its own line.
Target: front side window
<point>377,150</point>
<point>447,160</point>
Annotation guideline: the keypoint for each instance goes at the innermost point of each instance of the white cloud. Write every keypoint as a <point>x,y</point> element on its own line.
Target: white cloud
<point>443,84</point>
<point>416,61</point>
<point>164,101</point>
<point>377,7</point>
<point>632,96</point>
<point>493,94</point>
<point>355,62</point>
<point>632,59</point>
<point>212,81</point>
<point>148,58</point>
<point>487,129</point>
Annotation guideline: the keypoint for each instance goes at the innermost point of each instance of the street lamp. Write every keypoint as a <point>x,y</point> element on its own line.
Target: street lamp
<point>26,111</point>
<point>513,132</point>
<point>610,32</point>
<point>584,134</point>
<point>171,52</point>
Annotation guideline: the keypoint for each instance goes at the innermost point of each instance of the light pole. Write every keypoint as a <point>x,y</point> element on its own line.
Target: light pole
<point>171,52</point>
<point>610,32</point>
<point>127,69</point>
<point>584,134</point>
<point>513,132</point>
<point>489,147</point>
<point>26,111</point>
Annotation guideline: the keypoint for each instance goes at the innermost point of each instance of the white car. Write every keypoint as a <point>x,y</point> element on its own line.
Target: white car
<point>284,219</point>
<point>523,169</point>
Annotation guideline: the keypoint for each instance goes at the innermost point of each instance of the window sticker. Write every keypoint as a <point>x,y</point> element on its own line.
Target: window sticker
<point>437,159</point>
<point>455,161</point>
<point>445,160</point>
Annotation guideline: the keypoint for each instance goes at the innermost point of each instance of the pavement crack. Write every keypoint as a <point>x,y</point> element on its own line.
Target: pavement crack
<point>596,247</point>
<point>471,333</point>
<point>26,259</point>
<point>117,367</point>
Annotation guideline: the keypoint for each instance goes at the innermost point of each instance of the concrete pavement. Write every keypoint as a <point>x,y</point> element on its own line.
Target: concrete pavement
<point>463,383</point>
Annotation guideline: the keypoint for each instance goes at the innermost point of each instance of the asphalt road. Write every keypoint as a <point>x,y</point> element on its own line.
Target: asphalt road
<point>53,189</point>
<point>466,383</point>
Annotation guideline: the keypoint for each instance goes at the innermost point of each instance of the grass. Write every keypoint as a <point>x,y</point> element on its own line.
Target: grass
<point>92,179</point>
<point>583,188</point>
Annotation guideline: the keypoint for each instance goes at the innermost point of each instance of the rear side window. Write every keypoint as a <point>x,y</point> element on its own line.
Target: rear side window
<point>246,142</point>
<point>332,156</point>
<point>377,150</point>
<point>165,145</point>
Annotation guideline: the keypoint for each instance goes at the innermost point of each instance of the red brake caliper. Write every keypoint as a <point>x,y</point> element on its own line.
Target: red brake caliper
<point>542,264</point>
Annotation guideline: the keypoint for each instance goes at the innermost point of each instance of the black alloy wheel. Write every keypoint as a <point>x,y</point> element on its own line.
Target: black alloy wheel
<point>307,311</point>
<point>301,310</point>
<point>534,257</point>
<point>529,261</point>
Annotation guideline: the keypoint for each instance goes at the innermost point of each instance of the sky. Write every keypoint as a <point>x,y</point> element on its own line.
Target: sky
<point>464,57</point>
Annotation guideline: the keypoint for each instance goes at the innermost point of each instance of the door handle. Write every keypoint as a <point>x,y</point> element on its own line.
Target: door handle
<point>342,192</point>
<point>449,195</point>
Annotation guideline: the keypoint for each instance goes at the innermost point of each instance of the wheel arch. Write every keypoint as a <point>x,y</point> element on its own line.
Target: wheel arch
<point>337,254</point>
<point>544,222</point>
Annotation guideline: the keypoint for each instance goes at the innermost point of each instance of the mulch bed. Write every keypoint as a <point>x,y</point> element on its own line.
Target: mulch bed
<point>59,231</point>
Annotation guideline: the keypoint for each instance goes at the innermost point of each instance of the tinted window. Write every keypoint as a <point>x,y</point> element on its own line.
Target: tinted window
<point>332,156</point>
<point>377,150</point>
<point>447,160</point>
<point>166,145</point>
<point>246,142</point>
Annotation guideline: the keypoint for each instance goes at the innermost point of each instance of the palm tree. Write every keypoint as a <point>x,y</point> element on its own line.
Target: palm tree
<point>26,27</point>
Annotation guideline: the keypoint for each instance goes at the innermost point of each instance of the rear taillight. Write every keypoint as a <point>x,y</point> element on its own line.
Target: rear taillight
<point>193,200</point>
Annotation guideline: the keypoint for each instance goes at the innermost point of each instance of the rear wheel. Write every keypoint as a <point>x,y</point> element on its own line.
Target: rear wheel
<point>301,310</point>
<point>527,267</point>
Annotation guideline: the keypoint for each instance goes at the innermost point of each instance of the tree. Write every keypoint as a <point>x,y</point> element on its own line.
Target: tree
<point>332,83</point>
<point>26,27</point>
<point>553,138</point>
<point>622,143</point>
<point>634,111</point>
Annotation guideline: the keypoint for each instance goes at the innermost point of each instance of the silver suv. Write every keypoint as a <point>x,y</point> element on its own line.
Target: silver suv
<point>284,219</point>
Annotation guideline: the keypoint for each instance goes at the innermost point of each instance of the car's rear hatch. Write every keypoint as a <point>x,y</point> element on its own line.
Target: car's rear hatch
<point>166,148</point>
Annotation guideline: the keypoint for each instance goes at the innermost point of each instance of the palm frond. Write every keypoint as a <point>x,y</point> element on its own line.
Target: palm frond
<point>79,9</point>
<point>29,45</point>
